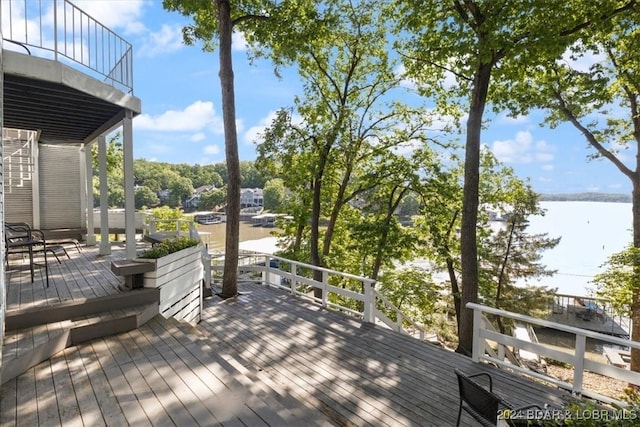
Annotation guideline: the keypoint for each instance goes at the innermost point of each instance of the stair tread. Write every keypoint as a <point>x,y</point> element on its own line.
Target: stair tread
<point>21,342</point>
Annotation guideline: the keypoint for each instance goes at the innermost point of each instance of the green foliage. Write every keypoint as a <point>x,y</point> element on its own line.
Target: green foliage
<point>114,153</point>
<point>145,197</point>
<point>274,195</point>
<point>167,247</point>
<point>510,255</point>
<point>619,281</point>
<point>166,217</point>
<point>412,291</point>
<point>213,199</point>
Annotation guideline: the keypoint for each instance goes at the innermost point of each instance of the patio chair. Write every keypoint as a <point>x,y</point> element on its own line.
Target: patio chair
<point>20,238</point>
<point>483,404</point>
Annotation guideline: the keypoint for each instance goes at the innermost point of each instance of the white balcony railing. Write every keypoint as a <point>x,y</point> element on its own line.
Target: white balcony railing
<point>59,30</point>
<point>484,338</point>
<point>295,277</point>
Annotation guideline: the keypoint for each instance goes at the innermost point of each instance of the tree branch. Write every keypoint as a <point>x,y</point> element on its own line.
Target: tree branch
<point>591,138</point>
<point>248,18</point>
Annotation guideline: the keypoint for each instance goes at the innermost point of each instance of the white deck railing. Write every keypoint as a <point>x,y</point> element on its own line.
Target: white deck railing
<point>294,277</point>
<point>483,337</point>
<point>58,29</point>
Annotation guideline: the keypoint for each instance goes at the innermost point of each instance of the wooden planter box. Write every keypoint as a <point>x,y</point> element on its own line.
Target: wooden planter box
<point>179,277</point>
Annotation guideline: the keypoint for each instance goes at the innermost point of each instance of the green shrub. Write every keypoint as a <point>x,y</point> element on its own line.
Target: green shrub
<point>167,247</point>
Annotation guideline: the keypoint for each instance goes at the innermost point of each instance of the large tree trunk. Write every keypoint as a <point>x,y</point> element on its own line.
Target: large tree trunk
<point>468,243</point>
<point>316,210</point>
<point>232,239</point>
<point>635,303</point>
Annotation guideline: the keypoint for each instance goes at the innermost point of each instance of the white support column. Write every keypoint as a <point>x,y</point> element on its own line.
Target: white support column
<point>88,162</point>
<point>3,279</point>
<point>105,245</point>
<point>129,199</point>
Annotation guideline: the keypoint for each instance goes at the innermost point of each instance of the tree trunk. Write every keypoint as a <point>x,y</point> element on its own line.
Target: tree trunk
<point>635,303</point>
<point>232,239</point>
<point>468,243</point>
<point>502,272</point>
<point>315,218</point>
<point>384,237</point>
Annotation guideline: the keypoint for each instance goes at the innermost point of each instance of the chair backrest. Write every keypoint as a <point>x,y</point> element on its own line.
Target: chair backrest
<point>16,232</point>
<point>483,402</point>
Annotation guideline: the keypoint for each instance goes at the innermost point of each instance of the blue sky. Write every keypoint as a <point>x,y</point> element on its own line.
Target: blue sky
<point>182,118</point>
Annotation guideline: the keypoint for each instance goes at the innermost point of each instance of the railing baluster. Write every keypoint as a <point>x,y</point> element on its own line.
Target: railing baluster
<point>578,366</point>
<point>100,50</point>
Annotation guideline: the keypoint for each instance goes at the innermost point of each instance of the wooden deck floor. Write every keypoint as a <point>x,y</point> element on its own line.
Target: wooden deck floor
<point>264,358</point>
<point>85,275</point>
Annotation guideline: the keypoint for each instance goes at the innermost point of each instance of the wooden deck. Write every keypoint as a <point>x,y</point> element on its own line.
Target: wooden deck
<point>264,358</point>
<point>85,275</point>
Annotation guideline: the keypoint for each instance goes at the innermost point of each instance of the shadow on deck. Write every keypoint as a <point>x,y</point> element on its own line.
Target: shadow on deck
<point>264,358</point>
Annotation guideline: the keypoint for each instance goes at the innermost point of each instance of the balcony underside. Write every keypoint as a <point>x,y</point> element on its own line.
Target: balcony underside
<point>64,104</point>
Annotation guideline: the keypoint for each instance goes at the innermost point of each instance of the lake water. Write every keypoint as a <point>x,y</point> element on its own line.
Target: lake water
<point>590,232</point>
<point>259,239</point>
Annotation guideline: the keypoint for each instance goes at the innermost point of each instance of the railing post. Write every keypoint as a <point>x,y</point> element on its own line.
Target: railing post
<point>369,303</point>
<point>578,365</point>
<point>325,281</point>
<point>399,320</point>
<point>152,225</point>
<point>267,276</point>
<point>477,349</point>
<point>294,282</point>
<point>55,30</point>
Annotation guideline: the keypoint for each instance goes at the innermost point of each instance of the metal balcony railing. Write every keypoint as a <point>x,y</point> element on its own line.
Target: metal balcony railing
<point>57,29</point>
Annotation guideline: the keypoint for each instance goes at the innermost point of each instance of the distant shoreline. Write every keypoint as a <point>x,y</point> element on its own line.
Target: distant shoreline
<point>586,197</point>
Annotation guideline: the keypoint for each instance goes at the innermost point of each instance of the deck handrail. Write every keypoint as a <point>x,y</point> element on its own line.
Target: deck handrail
<point>482,335</point>
<point>371,299</point>
<point>72,34</point>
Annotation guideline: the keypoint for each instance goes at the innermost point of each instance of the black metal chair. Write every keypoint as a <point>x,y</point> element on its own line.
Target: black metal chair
<point>20,238</point>
<point>483,404</point>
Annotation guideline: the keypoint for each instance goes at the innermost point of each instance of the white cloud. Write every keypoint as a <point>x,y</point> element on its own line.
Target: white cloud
<point>194,118</point>
<point>197,137</point>
<point>508,120</point>
<point>212,149</point>
<point>593,188</point>
<point>239,42</point>
<point>166,40</point>
<point>124,15</point>
<point>522,149</point>
<point>548,167</point>
<point>617,186</point>
<point>448,82</point>
<point>544,179</point>
<point>253,135</point>
<point>583,62</point>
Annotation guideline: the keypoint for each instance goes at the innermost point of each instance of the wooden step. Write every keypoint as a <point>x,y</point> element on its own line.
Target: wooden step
<point>26,347</point>
<point>24,318</point>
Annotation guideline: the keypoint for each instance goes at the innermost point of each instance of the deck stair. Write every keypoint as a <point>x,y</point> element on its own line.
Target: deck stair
<point>35,334</point>
<point>266,400</point>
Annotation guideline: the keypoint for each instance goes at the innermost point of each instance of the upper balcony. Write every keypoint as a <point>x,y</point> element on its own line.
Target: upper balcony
<point>65,74</point>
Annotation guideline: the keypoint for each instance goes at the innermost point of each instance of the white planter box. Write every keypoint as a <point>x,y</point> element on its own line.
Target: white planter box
<point>179,277</point>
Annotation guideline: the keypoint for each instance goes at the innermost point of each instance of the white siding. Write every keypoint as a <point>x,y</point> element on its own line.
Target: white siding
<point>60,186</point>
